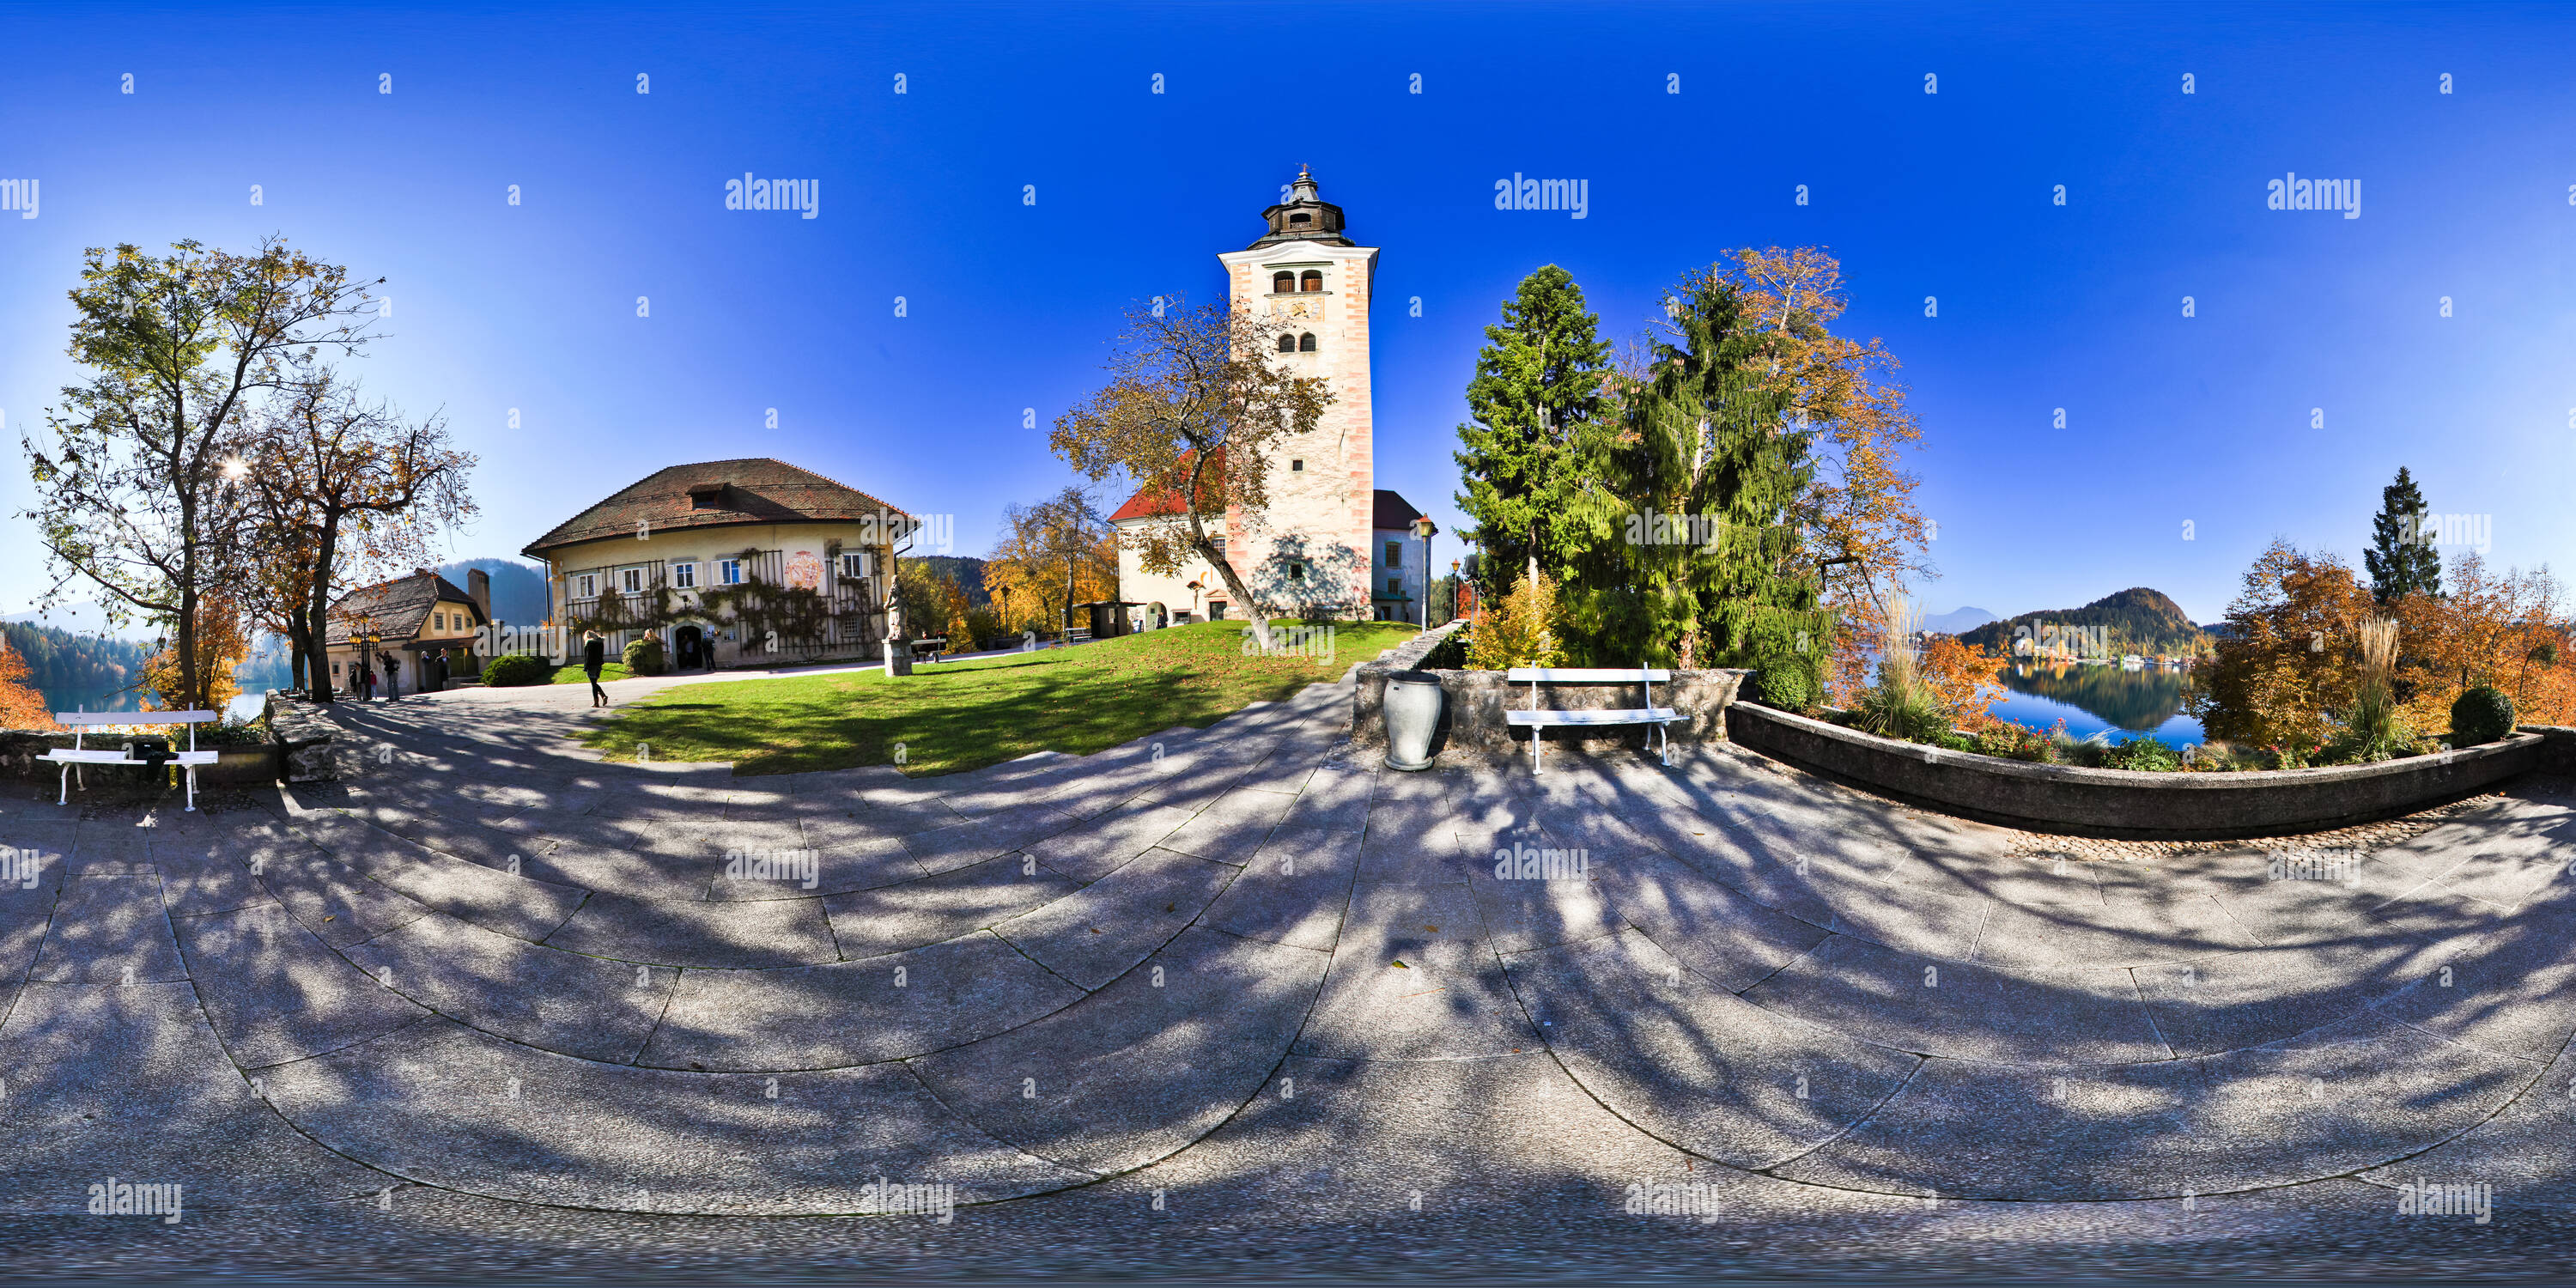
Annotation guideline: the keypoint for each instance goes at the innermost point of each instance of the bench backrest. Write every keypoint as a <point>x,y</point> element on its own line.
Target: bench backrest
<point>77,721</point>
<point>1585,675</point>
<point>1536,675</point>
<point>136,717</point>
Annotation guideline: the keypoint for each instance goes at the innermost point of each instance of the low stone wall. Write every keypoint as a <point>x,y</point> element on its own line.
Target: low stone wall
<point>1472,728</point>
<point>303,741</point>
<point>2139,804</point>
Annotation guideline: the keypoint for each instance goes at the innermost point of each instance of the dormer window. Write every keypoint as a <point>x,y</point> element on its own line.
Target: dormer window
<point>1306,343</point>
<point>1287,344</point>
<point>1283,283</point>
<point>1312,281</point>
<point>706,496</point>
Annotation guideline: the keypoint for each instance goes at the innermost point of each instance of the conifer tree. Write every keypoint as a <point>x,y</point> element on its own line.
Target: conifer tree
<point>1535,395</point>
<point>1705,439</point>
<point>2401,559</point>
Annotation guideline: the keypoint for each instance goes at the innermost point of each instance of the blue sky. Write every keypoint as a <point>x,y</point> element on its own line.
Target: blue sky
<point>2169,420</point>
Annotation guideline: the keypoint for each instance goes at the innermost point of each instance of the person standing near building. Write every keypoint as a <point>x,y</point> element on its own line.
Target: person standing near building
<point>594,655</point>
<point>393,677</point>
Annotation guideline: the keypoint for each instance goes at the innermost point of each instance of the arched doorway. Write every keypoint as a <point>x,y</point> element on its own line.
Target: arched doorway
<point>688,648</point>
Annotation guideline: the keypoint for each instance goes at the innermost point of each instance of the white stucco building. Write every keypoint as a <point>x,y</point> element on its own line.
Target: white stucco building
<point>1321,543</point>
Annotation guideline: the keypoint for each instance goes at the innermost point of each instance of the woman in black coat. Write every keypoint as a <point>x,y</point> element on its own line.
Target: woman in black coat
<point>594,655</point>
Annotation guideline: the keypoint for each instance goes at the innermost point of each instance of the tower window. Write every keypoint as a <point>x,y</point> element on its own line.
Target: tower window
<point>1297,467</point>
<point>1306,343</point>
<point>1312,281</point>
<point>1301,217</point>
<point>1283,283</point>
<point>1287,344</point>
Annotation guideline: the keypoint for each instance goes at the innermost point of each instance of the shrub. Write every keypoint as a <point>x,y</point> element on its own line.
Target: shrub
<point>1518,631</point>
<point>2143,752</point>
<point>2480,715</point>
<point>986,631</point>
<point>1787,683</point>
<point>644,656</point>
<point>512,669</point>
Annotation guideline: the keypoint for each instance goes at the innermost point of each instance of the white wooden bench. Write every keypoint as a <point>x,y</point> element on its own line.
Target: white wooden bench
<point>1535,719</point>
<point>76,756</point>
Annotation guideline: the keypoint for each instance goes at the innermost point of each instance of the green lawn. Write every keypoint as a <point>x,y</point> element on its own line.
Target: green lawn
<point>607,671</point>
<point>953,716</point>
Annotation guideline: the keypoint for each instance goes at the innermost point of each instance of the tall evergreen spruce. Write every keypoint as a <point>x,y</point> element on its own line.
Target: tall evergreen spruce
<point>2401,559</point>
<point>1536,394</point>
<point>1706,437</point>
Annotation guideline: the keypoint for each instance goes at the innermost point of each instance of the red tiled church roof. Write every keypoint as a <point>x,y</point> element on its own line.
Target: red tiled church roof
<point>1159,499</point>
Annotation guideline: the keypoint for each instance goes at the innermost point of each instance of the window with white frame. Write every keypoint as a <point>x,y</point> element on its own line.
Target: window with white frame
<point>684,575</point>
<point>630,580</point>
<point>586,586</point>
<point>728,572</point>
<point>854,564</point>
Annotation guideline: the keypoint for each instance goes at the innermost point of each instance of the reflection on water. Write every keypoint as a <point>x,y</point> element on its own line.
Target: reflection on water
<point>2099,699</point>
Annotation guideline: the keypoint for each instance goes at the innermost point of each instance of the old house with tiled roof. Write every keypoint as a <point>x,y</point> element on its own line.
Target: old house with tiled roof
<point>741,562</point>
<point>413,623</point>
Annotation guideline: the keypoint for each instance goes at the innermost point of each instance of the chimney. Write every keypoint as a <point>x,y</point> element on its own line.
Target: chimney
<point>478,584</point>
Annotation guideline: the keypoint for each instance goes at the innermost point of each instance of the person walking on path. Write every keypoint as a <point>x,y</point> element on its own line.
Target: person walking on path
<point>393,677</point>
<point>594,655</point>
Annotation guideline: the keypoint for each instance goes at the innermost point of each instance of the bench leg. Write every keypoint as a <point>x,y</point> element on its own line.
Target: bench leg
<point>1534,762</point>
<point>63,794</point>
<point>192,790</point>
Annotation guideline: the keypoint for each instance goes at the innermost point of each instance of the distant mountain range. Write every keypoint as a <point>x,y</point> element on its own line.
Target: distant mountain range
<point>2136,620</point>
<point>83,618</point>
<point>1958,621</point>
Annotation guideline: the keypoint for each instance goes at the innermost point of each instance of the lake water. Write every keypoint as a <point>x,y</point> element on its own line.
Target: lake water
<point>2099,699</point>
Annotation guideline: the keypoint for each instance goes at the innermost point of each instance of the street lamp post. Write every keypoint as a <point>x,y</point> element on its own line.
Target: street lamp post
<point>1423,528</point>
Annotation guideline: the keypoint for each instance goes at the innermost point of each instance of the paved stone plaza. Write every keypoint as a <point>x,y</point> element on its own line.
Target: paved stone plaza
<point>1231,999</point>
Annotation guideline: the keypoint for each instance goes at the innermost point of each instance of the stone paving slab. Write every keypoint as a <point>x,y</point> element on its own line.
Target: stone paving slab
<point>1963,1011</point>
<point>1101,931</point>
<point>130,1083</point>
<point>2326,1105</point>
<point>928,910</point>
<point>1293,891</point>
<point>341,906</point>
<point>275,992</point>
<point>1334,798</point>
<point>1138,1070</point>
<point>848,856</point>
<point>519,906</point>
<point>1006,831</point>
<point>675,932</point>
<point>1107,842</point>
<point>882,1008</point>
<point>110,930</point>
<point>40,857</point>
<point>2269,994</point>
<point>1520,915</point>
<point>1448,1000</point>
<point>1694,1064</point>
<point>1713,931</point>
<point>1231,827</point>
<point>2512,993</point>
<point>544,997</point>
<point>447,1106</point>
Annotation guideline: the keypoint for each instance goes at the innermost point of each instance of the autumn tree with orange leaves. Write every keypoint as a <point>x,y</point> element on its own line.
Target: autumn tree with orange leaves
<point>1863,536</point>
<point>20,707</point>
